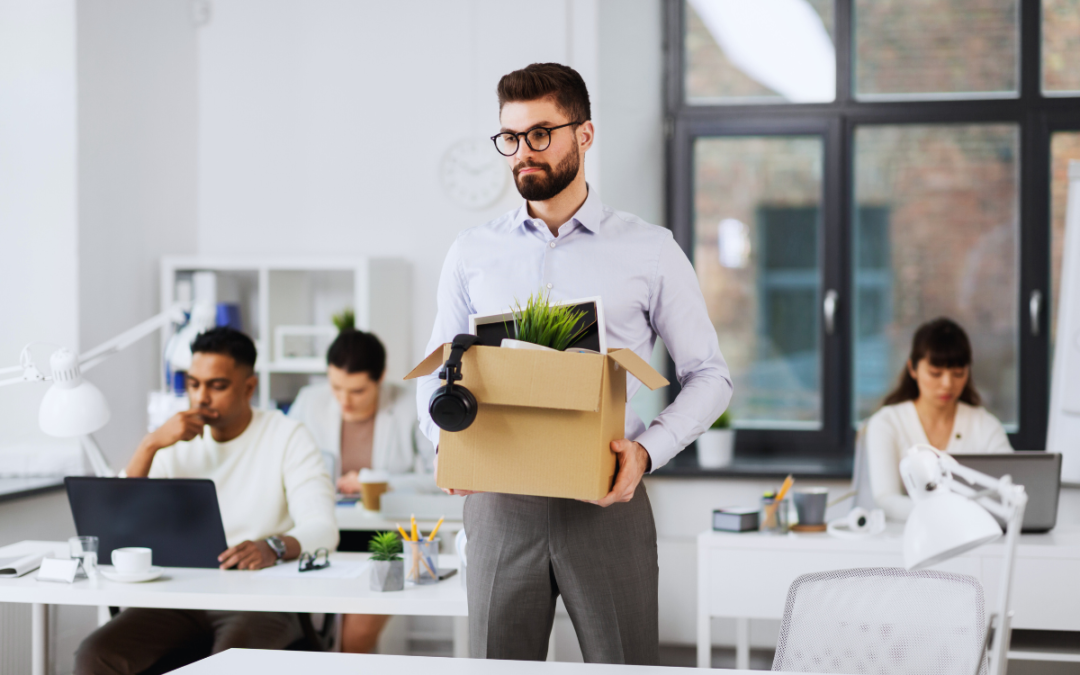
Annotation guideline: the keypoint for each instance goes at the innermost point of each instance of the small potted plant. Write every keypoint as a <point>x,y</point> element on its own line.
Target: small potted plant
<point>541,325</point>
<point>715,447</point>
<point>344,320</point>
<point>387,566</point>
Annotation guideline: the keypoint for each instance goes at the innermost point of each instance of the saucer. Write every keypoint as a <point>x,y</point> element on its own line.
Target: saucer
<point>111,574</point>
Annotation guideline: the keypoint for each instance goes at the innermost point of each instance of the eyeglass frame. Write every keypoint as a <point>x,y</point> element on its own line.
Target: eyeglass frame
<point>308,561</point>
<point>518,134</point>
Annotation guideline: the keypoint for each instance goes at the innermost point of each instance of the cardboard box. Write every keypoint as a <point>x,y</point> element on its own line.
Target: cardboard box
<point>545,420</point>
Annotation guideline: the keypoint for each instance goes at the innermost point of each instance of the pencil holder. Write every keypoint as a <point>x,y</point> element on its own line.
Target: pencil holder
<point>774,517</point>
<point>422,561</point>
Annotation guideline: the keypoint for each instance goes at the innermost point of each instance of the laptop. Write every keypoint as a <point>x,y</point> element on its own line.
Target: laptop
<point>178,518</point>
<point>1039,473</point>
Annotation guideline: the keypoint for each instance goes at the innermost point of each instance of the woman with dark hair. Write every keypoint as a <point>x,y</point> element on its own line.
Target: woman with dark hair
<point>935,403</point>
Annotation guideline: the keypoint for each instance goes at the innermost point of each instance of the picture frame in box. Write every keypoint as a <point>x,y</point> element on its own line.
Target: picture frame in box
<point>492,328</point>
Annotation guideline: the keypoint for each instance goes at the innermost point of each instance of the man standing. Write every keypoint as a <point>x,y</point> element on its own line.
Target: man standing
<point>276,501</point>
<point>526,551</point>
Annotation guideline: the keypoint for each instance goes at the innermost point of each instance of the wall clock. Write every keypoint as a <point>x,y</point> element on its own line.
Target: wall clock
<point>473,174</point>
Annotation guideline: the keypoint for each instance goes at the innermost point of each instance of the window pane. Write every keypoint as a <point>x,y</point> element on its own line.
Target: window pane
<point>764,51</point>
<point>935,48</point>
<point>936,234</point>
<point>1064,147</point>
<point>757,224</point>
<point>1061,45</point>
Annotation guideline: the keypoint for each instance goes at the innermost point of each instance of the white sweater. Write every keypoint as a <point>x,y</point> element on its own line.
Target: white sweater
<point>271,480</point>
<point>895,428</point>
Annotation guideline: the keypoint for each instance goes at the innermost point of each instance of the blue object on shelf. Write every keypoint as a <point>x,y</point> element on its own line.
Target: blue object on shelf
<point>179,383</point>
<point>228,314</point>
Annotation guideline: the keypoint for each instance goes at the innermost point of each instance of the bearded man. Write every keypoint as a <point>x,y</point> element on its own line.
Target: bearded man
<point>601,556</point>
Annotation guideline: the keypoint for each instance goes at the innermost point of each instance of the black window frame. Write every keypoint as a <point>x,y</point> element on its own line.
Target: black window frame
<point>829,452</point>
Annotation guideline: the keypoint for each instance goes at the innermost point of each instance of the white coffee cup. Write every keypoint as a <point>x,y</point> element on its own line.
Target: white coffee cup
<point>132,559</point>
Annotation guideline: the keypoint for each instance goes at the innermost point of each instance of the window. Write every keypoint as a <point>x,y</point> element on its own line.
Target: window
<point>757,232</point>
<point>828,214</point>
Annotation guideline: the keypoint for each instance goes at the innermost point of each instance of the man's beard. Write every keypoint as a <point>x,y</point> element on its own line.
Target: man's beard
<point>538,187</point>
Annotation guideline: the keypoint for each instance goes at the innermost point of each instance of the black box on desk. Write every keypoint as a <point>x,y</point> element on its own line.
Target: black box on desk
<point>735,519</point>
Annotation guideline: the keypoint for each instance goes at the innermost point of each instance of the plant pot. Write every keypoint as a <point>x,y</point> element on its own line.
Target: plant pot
<point>715,448</point>
<point>511,343</point>
<point>387,575</point>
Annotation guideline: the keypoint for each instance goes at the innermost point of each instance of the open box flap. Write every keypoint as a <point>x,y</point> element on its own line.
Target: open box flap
<point>429,365</point>
<point>525,377</point>
<point>639,368</point>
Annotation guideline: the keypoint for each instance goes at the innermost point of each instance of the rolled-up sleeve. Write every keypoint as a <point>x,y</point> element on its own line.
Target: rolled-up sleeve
<point>310,494</point>
<point>679,316</point>
<point>451,319</point>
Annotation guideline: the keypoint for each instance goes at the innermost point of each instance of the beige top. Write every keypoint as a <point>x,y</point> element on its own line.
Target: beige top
<point>895,428</point>
<point>356,442</point>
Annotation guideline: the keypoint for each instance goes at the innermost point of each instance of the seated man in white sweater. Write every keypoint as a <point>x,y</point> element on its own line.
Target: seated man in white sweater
<point>275,495</point>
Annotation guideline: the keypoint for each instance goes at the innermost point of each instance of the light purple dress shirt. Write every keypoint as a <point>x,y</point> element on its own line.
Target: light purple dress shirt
<point>648,288</point>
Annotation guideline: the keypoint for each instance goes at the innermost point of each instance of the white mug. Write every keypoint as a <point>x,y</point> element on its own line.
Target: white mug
<point>132,559</point>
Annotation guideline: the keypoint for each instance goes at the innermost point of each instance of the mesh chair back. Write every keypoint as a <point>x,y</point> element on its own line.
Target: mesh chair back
<point>883,621</point>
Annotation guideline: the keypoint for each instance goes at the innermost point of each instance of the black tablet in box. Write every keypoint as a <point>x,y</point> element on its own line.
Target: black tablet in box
<point>178,518</point>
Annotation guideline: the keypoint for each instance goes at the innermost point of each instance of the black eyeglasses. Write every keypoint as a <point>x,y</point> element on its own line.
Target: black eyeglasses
<point>319,560</point>
<point>537,138</point>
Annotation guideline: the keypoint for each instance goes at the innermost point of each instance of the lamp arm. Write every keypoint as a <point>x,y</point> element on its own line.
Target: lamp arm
<point>174,314</point>
<point>999,651</point>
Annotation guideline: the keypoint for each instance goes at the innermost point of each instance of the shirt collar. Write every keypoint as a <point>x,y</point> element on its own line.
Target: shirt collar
<point>589,215</point>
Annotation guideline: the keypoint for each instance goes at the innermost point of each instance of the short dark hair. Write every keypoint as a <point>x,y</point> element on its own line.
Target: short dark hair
<point>541,80</point>
<point>227,341</point>
<point>355,351</point>
<point>946,345</point>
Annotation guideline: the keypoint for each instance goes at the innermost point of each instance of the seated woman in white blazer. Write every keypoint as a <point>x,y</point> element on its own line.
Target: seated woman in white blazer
<point>365,422</point>
<point>934,403</point>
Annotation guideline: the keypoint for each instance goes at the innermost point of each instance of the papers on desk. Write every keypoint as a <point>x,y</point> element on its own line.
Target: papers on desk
<point>339,569</point>
<point>20,565</point>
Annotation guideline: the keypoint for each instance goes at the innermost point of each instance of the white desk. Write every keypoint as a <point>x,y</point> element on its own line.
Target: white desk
<point>236,661</point>
<point>746,576</point>
<point>189,588</point>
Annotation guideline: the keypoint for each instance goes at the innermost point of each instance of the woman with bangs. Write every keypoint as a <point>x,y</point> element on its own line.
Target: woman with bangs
<point>935,403</point>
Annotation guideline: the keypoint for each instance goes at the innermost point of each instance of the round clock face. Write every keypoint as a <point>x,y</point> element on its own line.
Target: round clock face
<point>473,173</point>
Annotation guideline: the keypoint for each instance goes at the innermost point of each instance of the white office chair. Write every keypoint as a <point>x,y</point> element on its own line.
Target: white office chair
<point>883,620</point>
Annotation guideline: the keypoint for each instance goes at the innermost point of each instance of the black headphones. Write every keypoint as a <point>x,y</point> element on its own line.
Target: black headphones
<point>453,408</point>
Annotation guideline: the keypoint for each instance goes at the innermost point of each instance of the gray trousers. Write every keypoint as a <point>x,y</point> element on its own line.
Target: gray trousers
<point>137,638</point>
<point>524,552</point>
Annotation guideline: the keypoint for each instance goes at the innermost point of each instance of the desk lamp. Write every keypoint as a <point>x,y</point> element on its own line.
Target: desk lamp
<point>952,517</point>
<point>73,407</point>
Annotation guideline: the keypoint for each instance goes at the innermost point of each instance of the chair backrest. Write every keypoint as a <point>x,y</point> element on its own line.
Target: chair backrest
<point>883,620</point>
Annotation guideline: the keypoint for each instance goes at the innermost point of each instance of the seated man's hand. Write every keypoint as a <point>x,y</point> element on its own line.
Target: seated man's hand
<point>632,462</point>
<point>349,484</point>
<point>183,426</point>
<point>248,555</point>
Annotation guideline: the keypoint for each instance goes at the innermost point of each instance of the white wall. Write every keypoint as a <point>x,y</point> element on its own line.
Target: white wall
<point>137,142</point>
<point>38,196</point>
<point>322,124</point>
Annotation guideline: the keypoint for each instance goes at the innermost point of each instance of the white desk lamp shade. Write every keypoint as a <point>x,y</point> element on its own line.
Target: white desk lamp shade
<point>72,406</point>
<point>944,525</point>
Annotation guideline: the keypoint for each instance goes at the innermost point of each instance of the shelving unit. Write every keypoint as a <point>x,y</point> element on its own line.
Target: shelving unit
<point>280,291</point>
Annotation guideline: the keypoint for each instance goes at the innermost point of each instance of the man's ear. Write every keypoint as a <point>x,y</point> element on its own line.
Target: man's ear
<point>250,383</point>
<point>586,134</point>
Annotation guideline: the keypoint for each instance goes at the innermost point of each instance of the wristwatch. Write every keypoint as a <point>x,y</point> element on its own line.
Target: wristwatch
<point>277,545</point>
